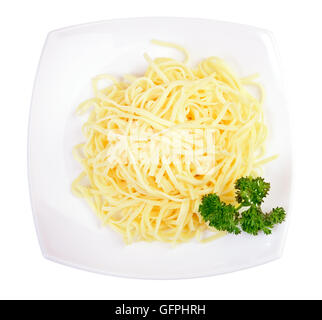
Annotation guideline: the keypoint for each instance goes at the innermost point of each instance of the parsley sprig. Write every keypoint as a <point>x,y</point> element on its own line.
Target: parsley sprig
<point>250,193</point>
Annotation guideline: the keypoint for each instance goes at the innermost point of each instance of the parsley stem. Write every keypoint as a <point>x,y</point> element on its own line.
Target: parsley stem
<point>238,207</point>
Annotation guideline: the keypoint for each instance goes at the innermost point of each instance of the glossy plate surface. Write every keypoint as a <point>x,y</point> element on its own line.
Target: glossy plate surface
<point>68,231</point>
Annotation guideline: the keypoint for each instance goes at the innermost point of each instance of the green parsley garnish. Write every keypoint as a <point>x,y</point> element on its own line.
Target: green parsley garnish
<point>250,193</point>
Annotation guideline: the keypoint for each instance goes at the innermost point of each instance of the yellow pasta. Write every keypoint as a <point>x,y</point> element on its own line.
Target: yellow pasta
<point>155,144</point>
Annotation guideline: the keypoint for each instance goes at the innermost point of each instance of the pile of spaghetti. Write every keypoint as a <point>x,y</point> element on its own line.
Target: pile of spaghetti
<point>156,144</point>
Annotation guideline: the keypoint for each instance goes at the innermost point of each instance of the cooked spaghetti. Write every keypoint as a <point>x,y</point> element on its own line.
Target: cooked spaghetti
<point>156,144</point>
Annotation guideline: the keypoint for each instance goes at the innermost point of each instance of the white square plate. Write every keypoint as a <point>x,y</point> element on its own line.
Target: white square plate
<point>68,230</point>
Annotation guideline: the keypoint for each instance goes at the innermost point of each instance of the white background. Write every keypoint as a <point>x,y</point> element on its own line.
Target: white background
<point>25,274</point>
